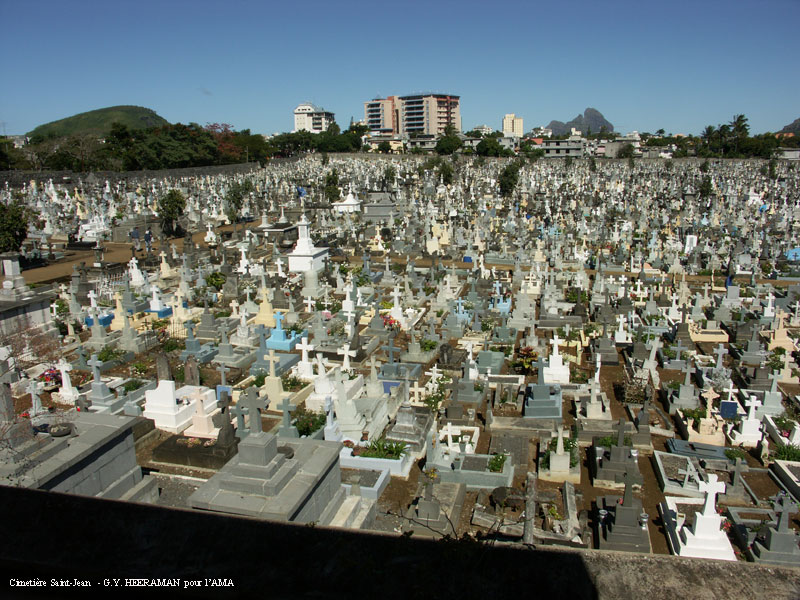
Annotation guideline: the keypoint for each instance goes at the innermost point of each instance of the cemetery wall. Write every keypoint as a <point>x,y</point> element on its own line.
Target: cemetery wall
<point>70,538</point>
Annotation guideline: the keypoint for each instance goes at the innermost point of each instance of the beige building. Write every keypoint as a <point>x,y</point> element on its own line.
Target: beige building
<point>423,114</point>
<point>512,126</point>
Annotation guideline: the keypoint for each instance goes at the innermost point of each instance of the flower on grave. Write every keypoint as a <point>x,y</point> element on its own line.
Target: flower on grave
<point>25,415</point>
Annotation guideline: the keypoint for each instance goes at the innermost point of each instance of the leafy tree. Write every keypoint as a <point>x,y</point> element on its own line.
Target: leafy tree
<point>508,179</point>
<point>170,208</point>
<point>446,172</point>
<point>705,188</point>
<point>626,151</point>
<point>332,186</point>
<point>474,134</point>
<point>384,147</point>
<point>234,198</point>
<point>448,144</point>
<point>489,146</point>
<point>14,220</point>
<point>389,173</point>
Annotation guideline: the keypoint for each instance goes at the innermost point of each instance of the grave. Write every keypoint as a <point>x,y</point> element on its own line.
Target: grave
<point>694,529</point>
<point>622,522</point>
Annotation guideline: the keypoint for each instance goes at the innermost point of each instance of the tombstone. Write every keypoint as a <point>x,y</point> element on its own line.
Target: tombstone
<point>623,522</point>
<point>779,545</point>
<point>163,370</point>
<point>287,429</point>
<point>191,372</point>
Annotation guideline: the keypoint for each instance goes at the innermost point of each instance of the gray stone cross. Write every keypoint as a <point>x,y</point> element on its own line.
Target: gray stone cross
<point>95,363</point>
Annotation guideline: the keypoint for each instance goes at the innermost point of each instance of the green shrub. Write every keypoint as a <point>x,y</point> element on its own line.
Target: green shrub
<point>307,421</point>
<point>215,280</point>
<point>787,452</point>
<point>496,462</point>
<point>611,440</point>
<point>133,384</point>
<point>108,354</point>
<point>428,345</point>
<point>259,378</point>
<point>172,344</point>
<point>291,383</point>
<point>734,453</point>
<point>382,448</point>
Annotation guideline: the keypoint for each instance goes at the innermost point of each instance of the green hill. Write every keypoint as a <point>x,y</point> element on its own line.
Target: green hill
<point>99,121</point>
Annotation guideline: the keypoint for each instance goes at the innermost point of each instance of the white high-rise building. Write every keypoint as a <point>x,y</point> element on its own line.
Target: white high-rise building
<point>312,118</point>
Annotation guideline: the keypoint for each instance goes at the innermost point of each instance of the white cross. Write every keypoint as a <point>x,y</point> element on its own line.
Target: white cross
<point>417,391</point>
<point>305,347</point>
<point>434,374</point>
<point>92,296</point>
<point>347,353</point>
<point>752,403</point>
<point>310,304</point>
<point>711,488</point>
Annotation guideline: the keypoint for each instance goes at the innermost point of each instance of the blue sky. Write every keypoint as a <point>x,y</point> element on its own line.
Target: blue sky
<point>645,65</point>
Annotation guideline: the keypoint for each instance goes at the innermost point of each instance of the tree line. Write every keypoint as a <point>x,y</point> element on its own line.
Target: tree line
<point>175,146</point>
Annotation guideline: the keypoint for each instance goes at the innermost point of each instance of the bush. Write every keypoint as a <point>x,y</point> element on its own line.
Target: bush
<point>307,421</point>
<point>497,462</point>
<point>133,384</point>
<point>383,449</point>
<point>139,368</point>
<point>734,453</point>
<point>291,383</point>
<point>108,354</point>
<point>258,381</point>
<point>611,440</point>
<point>172,344</point>
<point>427,345</point>
<point>787,452</point>
<point>215,280</point>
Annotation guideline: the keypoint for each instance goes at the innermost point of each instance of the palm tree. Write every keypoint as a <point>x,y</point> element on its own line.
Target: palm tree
<point>740,130</point>
<point>708,135</point>
<point>723,133</point>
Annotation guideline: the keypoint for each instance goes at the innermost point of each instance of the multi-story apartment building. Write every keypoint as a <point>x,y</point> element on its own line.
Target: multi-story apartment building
<point>421,114</point>
<point>382,115</point>
<point>512,126</point>
<point>312,118</point>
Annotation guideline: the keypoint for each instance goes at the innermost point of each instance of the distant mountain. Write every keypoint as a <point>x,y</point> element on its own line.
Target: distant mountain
<point>591,119</point>
<point>793,127</point>
<point>99,121</point>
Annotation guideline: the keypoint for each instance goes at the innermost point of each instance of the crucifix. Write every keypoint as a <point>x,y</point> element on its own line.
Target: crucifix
<point>272,360</point>
<point>347,354</point>
<point>712,487</point>
<point>390,349</point>
<point>254,403</point>
<point>222,370</point>
<point>287,414</point>
<point>305,348</point>
<point>95,363</point>
<point>783,507</point>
